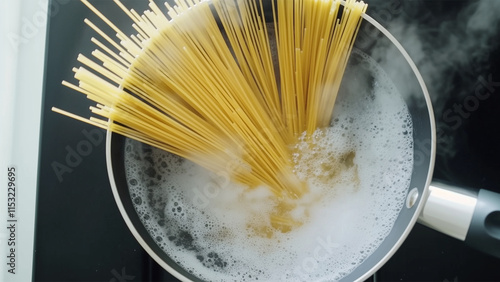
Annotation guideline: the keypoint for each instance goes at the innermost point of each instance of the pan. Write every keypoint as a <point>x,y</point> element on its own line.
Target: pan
<point>160,221</point>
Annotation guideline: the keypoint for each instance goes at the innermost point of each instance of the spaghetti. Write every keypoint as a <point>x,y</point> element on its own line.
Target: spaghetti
<point>200,81</point>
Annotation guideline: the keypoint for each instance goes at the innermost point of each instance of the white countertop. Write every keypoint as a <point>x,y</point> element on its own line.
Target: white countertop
<point>23,30</point>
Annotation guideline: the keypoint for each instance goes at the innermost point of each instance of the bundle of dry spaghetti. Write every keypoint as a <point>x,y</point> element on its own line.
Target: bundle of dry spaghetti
<point>217,82</point>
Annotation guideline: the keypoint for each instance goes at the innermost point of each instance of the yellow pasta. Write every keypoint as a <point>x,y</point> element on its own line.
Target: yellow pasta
<point>201,81</point>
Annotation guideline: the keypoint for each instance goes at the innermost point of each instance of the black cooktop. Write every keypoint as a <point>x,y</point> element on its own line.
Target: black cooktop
<point>80,235</point>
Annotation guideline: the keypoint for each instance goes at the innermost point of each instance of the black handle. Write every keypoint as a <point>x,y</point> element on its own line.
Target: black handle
<point>484,230</point>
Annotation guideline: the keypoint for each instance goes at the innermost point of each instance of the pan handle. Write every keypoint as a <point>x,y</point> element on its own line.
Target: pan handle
<point>470,216</point>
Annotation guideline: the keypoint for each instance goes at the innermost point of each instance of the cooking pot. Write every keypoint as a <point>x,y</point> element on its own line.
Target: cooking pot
<point>472,216</point>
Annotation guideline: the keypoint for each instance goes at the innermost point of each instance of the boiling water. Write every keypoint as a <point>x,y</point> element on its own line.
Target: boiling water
<point>358,171</point>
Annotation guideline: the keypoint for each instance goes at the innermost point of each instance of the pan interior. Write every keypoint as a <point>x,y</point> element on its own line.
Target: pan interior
<point>187,218</point>
<point>191,215</point>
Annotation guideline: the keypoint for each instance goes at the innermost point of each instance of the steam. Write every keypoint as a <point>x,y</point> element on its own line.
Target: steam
<point>451,45</point>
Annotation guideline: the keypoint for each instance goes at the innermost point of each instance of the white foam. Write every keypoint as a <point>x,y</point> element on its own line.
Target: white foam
<point>201,220</point>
